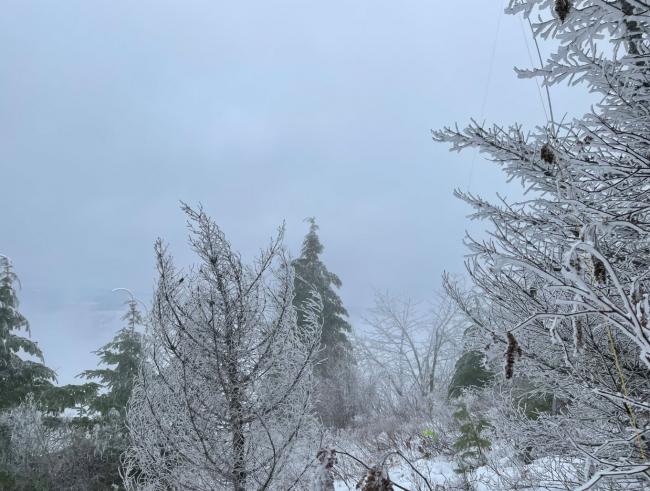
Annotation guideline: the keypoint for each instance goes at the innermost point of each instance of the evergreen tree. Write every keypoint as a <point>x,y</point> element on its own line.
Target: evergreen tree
<point>335,400</point>
<point>18,376</point>
<point>102,402</point>
<point>312,275</point>
<point>471,445</point>
<point>122,358</point>
<point>470,371</point>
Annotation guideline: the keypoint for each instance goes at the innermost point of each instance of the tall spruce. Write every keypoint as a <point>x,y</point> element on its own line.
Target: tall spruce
<point>122,357</point>
<point>18,376</point>
<point>311,275</point>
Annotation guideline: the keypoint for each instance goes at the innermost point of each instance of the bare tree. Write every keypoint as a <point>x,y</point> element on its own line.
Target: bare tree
<point>410,351</point>
<point>224,400</point>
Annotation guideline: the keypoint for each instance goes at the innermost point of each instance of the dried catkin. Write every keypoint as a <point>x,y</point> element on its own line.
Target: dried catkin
<point>600,273</point>
<point>546,153</point>
<point>562,9</point>
<point>578,334</point>
<point>513,351</point>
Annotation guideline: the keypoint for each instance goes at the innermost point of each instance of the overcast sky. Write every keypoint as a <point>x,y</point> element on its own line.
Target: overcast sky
<point>113,111</point>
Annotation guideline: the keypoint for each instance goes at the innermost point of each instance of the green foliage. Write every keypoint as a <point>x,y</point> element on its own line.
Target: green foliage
<point>18,376</point>
<point>471,444</point>
<point>82,453</point>
<point>312,275</point>
<point>528,398</point>
<point>57,399</point>
<point>534,406</point>
<point>122,357</point>
<point>334,364</point>
<point>102,404</point>
<point>470,371</point>
<point>430,434</point>
<point>7,480</point>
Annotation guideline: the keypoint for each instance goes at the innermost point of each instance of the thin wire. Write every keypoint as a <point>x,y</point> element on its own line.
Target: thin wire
<point>541,65</point>
<point>487,85</point>
<point>532,63</point>
<point>133,298</point>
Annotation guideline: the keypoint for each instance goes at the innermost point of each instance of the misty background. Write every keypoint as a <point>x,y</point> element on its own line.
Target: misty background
<point>113,111</point>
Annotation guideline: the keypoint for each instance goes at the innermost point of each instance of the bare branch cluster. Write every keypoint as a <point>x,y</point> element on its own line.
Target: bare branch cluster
<point>410,351</point>
<point>566,274</point>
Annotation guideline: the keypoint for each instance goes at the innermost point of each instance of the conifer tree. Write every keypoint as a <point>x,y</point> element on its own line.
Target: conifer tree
<point>102,402</point>
<point>18,376</point>
<point>471,444</point>
<point>311,275</point>
<point>122,358</point>
<point>335,401</point>
<point>470,371</point>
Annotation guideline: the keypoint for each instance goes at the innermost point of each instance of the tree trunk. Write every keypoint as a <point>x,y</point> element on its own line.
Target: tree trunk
<point>238,442</point>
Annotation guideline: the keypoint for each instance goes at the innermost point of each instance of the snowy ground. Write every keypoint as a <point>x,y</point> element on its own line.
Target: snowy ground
<point>437,472</point>
<point>544,473</point>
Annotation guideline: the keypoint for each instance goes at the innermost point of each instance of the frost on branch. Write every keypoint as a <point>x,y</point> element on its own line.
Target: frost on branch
<point>409,352</point>
<point>224,398</point>
<point>323,478</point>
<point>580,242</point>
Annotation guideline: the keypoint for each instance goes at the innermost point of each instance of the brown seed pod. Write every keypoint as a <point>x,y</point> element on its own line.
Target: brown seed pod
<point>546,153</point>
<point>513,351</point>
<point>600,273</point>
<point>562,9</point>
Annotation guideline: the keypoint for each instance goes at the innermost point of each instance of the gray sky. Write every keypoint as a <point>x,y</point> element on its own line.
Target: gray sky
<point>112,111</point>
